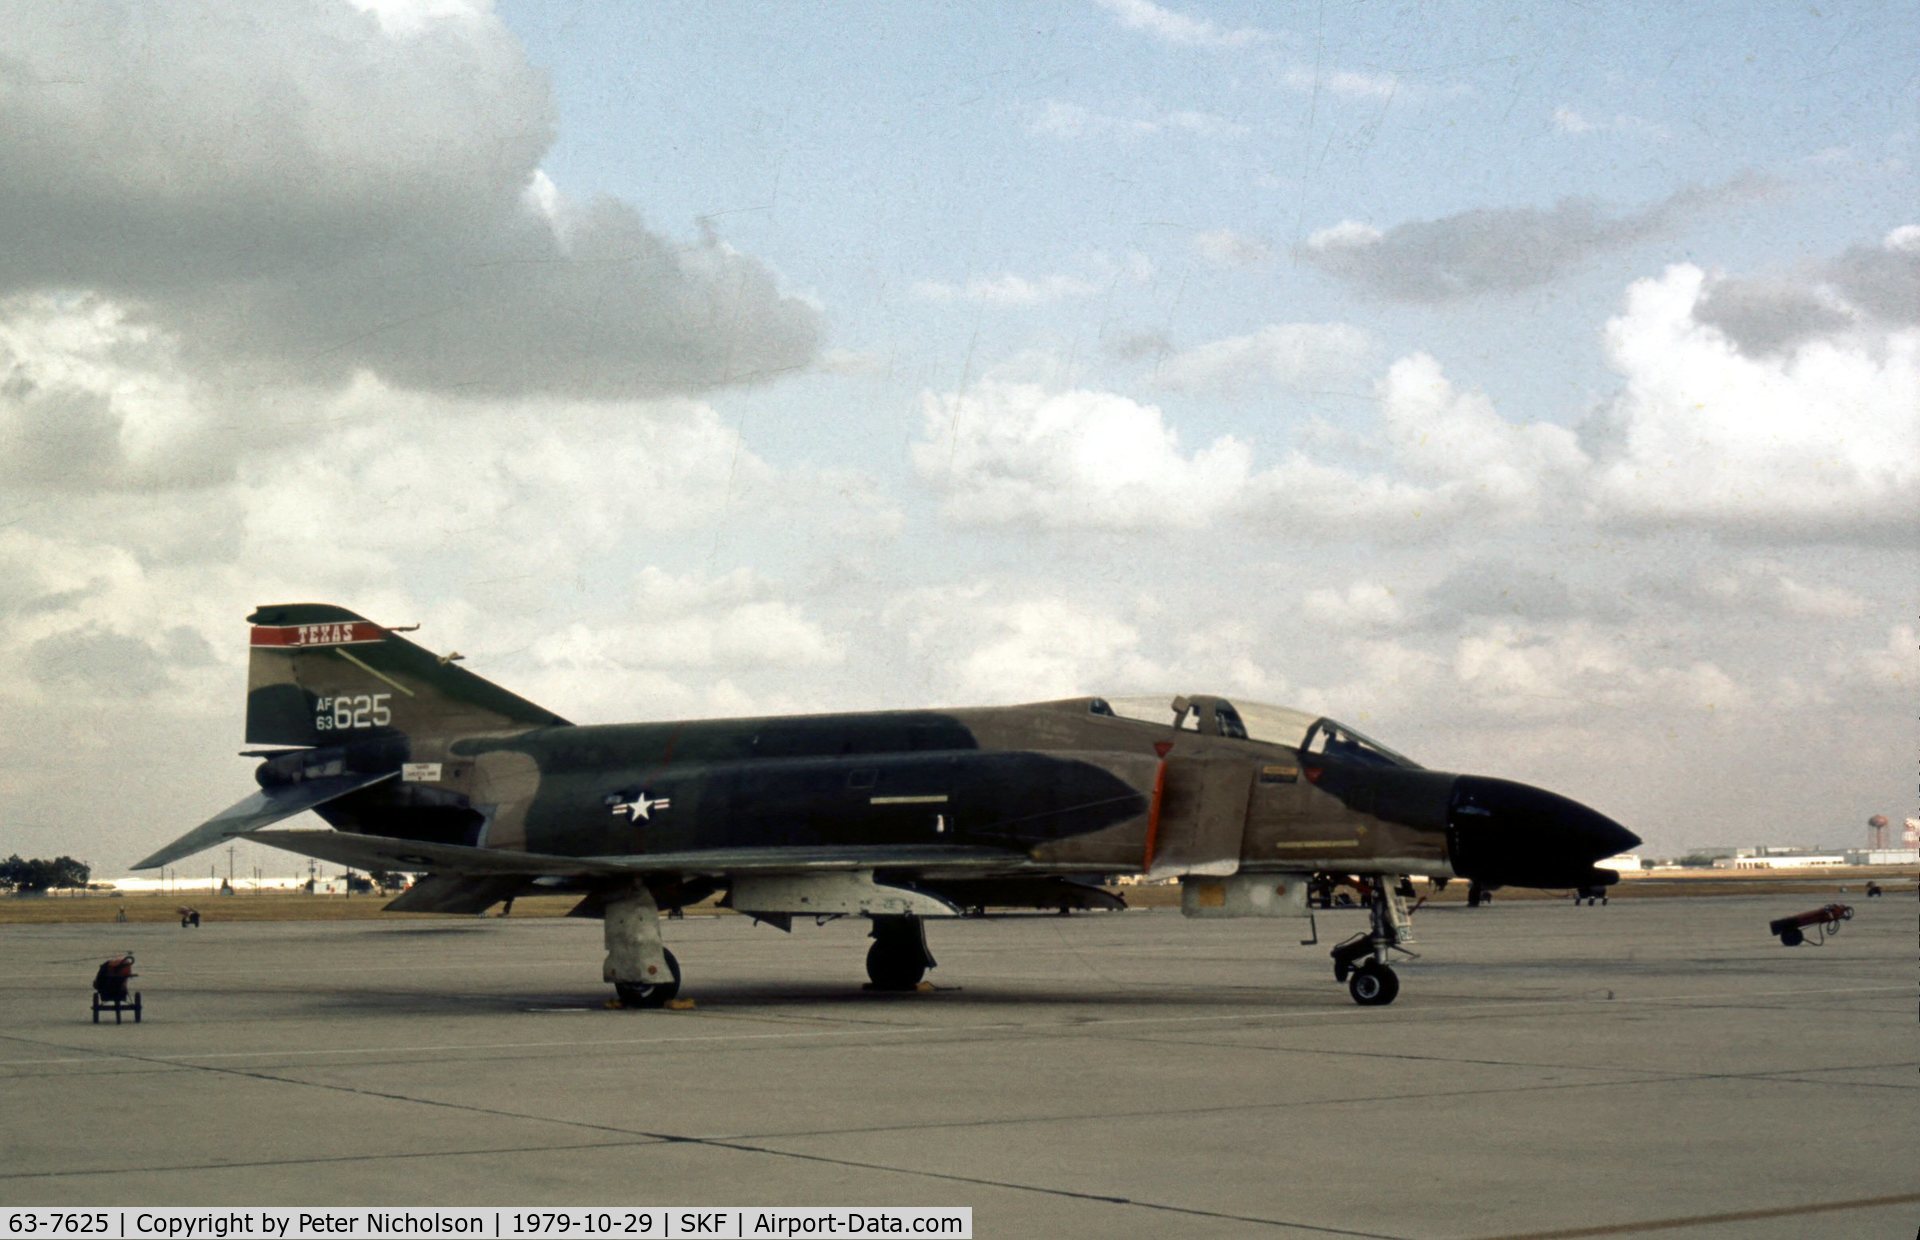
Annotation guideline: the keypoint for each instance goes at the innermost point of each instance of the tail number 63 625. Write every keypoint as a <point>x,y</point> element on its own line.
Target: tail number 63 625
<point>341,714</point>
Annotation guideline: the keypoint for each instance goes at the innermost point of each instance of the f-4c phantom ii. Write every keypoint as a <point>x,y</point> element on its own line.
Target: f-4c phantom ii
<point>896,816</point>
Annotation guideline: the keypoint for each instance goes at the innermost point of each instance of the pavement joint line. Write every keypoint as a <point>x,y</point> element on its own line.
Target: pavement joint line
<point>739,1142</point>
<point>325,1160</point>
<point>953,1032</point>
<point>1045,1190</point>
<point>741,1146</point>
<point>1652,1073</point>
<point>1665,1078</point>
<point>1469,1014</point>
<point>1162,1112</point>
<point>1703,1220</point>
<point>1224,1109</point>
<point>1448,1059</point>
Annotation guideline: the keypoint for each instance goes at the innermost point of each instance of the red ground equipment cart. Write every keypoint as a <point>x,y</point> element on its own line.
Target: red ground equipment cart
<point>1826,919</point>
<point>110,989</point>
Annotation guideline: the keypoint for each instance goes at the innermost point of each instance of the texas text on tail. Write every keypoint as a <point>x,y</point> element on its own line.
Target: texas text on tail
<point>895,816</point>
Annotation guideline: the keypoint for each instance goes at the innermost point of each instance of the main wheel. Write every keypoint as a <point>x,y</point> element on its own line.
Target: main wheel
<point>893,965</point>
<point>650,994</point>
<point>1373,985</point>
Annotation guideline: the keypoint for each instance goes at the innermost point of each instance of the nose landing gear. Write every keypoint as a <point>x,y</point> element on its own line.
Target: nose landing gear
<point>1361,961</point>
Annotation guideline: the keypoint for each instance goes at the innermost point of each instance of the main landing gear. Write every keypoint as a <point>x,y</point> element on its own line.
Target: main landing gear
<point>646,975</point>
<point>899,957</point>
<point>643,972</point>
<point>1361,961</point>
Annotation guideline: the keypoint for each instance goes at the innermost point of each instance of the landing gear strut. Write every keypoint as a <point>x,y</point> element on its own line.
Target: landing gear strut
<point>1361,961</point>
<point>899,957</point>
<point>643,972</point>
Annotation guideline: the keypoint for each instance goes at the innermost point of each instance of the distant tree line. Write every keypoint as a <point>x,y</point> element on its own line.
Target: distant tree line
<point>38,874</point>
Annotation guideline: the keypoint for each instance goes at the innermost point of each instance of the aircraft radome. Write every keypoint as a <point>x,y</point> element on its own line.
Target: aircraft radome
<point>896,816</point>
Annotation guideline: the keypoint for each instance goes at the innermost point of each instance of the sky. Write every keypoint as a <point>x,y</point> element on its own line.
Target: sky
<point>1536,387</point>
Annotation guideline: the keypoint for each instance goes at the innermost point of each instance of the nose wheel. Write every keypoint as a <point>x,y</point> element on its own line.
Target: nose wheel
<point>1374,984</point>
<point>1361,961</point>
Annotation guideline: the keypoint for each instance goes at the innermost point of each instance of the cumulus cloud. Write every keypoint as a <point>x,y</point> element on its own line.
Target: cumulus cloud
<point>1819,443</point>
<point>93,660</point>
<point>1526,672</point>
<point>1768,316</point>
<point>1502,588</point>
<point>1132,346</point>
<point>1005,451</point>
<point>90,401</point>
<point>1344,82</point>
<point>1442,435</point>
<point>1569,121</point>
<point>1059,119</point>
<point>1499,249</point>
<point>990,648</point>
<point>1008,289</point>
<point>1226,248</point>
<point>1864,285</point>
<point>1882,280</point>
<point>1760,586</point>
<point>339,189</point>
<point>1880,673</point>
<point>1280,353</point>
<point>738,620</point>
<point>365,493</point>
<point>1362,605</point>
<point>1171,26</point>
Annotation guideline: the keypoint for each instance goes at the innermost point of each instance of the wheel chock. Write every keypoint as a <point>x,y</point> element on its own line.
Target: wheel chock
<point>679,1005</point>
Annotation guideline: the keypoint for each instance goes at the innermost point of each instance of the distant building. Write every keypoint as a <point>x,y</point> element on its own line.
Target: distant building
<point>1626,863</point>
<point>1772,860</point>
<point>1884,856</point>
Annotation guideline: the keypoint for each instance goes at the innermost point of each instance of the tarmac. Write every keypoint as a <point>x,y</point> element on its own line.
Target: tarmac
<point>1648,1067</point>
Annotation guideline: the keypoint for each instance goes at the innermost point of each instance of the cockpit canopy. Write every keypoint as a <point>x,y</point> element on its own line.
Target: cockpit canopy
<point>1255,721</point>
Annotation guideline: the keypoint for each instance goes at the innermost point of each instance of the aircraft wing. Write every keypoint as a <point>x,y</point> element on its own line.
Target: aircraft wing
<point>376,852</point>
<point>267,806</point>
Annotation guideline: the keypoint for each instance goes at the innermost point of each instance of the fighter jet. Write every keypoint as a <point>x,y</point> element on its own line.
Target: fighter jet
<point>900,817</point>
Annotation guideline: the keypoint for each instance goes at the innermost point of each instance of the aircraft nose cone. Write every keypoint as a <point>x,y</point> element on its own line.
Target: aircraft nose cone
<point>1503,833</point>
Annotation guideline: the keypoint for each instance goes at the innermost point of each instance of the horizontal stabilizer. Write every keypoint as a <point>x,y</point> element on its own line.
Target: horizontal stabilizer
<point>269,805</point>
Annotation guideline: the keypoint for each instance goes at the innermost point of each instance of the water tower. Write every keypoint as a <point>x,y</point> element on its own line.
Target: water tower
<point>1877,831</point>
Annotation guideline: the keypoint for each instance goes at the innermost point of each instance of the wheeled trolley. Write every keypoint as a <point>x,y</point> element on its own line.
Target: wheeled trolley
<point>110,989</point>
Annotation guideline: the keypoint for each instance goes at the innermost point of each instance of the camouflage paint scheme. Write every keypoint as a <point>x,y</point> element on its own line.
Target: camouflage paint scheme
<point>423,766</point>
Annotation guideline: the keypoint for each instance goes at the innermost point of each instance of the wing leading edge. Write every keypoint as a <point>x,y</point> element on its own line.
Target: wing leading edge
<point>379,852</point>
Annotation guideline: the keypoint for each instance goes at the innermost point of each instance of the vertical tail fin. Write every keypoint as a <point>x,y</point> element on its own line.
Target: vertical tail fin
<point>321,675</point>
